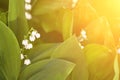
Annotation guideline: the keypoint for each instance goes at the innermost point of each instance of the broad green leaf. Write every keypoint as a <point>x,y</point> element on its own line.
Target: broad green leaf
<point>16,19</point>
<point>32,69</point>
<point>71,51</point>
<point>48,33</point>
<point>67,24</point>
<point>59,21</point>
<point>46,6</point>
<point>9,54</point>
<point>56,69</point>
<point>51,16</point>
<point>100,62</point>
<point>51,21</point>
<point>116,68</point>
<point>41,51</point>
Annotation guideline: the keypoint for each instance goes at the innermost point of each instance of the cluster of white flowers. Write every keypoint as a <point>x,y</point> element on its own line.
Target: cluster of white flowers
<point>83,33</point>
<point>28,7</point>
<point>27,44</point>
<point>32,37</point>
<point>82,37</point>
<point>26,60</point>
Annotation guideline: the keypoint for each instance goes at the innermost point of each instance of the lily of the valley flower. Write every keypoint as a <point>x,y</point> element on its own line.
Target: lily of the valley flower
<point>37,35</point>
<point>32,38</point>
<point>22,56</point>
<point>27,61</point>
<point>29,46</point>
<point>25,42</point>
<point>28,6</point>
<point>28,16</point>
<point>33,35</point>
<point>28,1</point>
<point>34,32</point>
<point>83,34</point>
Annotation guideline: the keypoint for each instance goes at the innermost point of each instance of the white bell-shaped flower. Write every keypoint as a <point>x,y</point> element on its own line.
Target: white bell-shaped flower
<point>25,42</point>
<point>83,34</point>
<point>27,61</point>
<point>21,56</point>
<point>32,38</point>
<point>28,7</point>
<point>29,46</point>
<point>37,35</point>
<point>34,32</point>
<point>28,16</point>
<point>28,1</point>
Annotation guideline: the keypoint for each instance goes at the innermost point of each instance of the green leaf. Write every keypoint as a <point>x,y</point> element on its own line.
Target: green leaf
<point>100,62</point>
<point>3,17</point>
<point>9,54</point>
<point>55,15</point>
<point>71,51</point>
<point>46,6</point>
<point>56,69</point>
<point>51,21</point>
<point>41,51</point>
<point>32,69</point>
<point>67,24</point>
<point>116,68</point>
<point>59,21</point>
<point>16,19</point>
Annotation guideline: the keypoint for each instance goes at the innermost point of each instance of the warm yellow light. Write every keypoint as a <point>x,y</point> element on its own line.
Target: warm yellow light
<point>107,7</point>
<point>114,5</point>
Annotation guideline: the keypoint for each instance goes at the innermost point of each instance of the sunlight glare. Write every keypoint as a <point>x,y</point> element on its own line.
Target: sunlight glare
<point>118,50</point>
<point>74,3</point>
